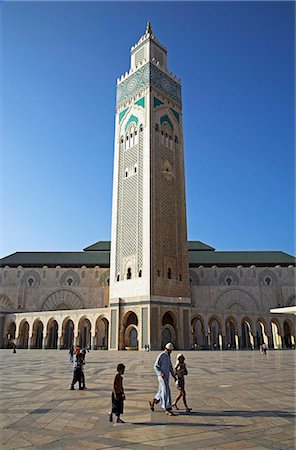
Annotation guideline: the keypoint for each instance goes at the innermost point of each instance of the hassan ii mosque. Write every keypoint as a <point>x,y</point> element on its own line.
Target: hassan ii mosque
<point>150,285</point>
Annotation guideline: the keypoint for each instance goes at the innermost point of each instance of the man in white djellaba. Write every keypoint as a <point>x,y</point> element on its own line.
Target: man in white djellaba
<point>163,368</point>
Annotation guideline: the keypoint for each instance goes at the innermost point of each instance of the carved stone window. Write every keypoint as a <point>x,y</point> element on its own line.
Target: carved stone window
<point>129,274</point>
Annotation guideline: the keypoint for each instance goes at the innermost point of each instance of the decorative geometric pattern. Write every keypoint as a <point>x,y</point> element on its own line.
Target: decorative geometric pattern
<point>232,409</point>
<point>104,278</point>
<point>267,274</point>
<point>145,76</point>
<point>157,102</point>
<point>5,303</point>
<point>228,274</point>
<point>130,208</point>
<point>31,274</point>
<point>232,298</point>
<point>130,120</point>
<point>141,102</point>
<point>122,114</point>
<point>176,114</point>
<point>133,84</point>
<point>69,298</point>
<point>70,274</point>
<point>166,119</point>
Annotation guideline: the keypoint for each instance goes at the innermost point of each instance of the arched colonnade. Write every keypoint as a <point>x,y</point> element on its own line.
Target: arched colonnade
<point>241,333</point>
<point>57,331</point>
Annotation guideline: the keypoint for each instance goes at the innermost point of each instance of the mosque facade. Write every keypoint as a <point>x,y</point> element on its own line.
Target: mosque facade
<point>149,285</point>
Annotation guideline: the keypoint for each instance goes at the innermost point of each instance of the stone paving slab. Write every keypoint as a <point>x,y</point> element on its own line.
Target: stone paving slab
<point>240,400</point>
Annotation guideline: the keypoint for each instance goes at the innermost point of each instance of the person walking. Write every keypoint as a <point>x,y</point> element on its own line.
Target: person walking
<point>264,348</point>
<point>118,395</point>
<point>180,371</point>
<point>82,369</point>
<point>163,368</point>
<point>77,374</point>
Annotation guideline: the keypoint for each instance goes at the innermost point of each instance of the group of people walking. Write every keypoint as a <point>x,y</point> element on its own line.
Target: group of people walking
<point>163,368</point>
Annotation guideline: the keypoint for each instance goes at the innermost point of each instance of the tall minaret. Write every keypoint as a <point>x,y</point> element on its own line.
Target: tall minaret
<point>149,281</point>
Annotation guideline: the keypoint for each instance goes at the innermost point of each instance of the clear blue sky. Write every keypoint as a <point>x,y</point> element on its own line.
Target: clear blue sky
<point>60,64</point>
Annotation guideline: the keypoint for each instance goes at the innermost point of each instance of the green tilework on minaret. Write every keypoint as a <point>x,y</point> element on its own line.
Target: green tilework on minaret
<point>141,102</point>
<point>157,102</point>
<point>122,114</point>
<point>130,120</point>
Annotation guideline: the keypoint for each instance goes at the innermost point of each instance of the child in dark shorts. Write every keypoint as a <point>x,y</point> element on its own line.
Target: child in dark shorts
<point>118,396</point>
<point>180,371</point>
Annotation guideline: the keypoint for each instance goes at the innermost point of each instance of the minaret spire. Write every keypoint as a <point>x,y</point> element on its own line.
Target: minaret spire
<point>149,29</point>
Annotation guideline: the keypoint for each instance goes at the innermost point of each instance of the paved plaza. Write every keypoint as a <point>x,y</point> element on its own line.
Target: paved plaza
<point>240,400</point>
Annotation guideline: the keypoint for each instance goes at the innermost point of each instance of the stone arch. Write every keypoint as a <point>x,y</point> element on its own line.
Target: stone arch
<point>6,304</point>
<point>226,275</point>
<point>193,278</point>
<point>169,328</point>
<point>231,336</point>
<point>168,334</point>
<point>291,301</point>
<point>31,274</point>
<point>130,318</point>
<point>276,333</point>
<point>247,337</point>
<point>169,318</point>
<point>52,333</point>
<point>288,334</point>
<point>262,332</point>
<point>236,300</point>
<point>104,279</point>
<point>10,334</point>
<point>70,275</point>
<point>215,333</point>
<point>67,332</point>
<point>37,334</point>
<point>267,274</point>
<point>131,337</point>
<point>198,332</point>
<point>11,330</point>
<point>102,333</point>
<point>23,337</point>
<point>84,332</point>
<point>62,296</point>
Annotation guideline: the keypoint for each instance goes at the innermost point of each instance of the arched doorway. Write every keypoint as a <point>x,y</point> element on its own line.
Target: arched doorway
<point>131,338</point>
<point>247,339</point>
<point>168,332</point>
<point>287,335</point>
<point>52,334</point>
<point>11,334</point>
<point>130,331</point>
<point>68,333</point>
<point>37,334</point>
<point>198,334</point>
<point>84,333</point>
<point>215,334</point>
<point>276,335</point>
<point>261,336</point>
<point>232,341</point>
<point>102,333</point>
<point>23,335</point>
